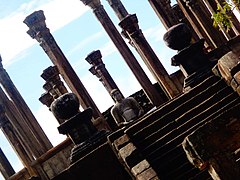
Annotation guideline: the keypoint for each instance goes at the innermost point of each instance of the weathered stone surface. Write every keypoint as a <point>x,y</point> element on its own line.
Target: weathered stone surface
<point>226,64</point>
<point>127,150</point>
<point>147,175</point>
<point>140,167</point>
<point>237,77</point>
<point>100,163</point>
<point>120,142</point>
<point>212,145</point>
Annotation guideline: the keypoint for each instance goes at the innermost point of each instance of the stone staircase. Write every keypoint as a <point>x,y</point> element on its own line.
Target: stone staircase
<point>158,136</point>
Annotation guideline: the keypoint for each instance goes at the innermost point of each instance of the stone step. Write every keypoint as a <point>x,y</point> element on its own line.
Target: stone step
<point>172,105</point>
<point>178,111</point>
<point>176,136</point>
<point>201,175</point>
<point>186,170</point>
<point>161,159</point>
<point>159,136</point>
<point>182,124</point>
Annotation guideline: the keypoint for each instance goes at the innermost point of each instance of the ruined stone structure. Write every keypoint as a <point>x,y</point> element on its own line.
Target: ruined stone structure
<point>194,135</point>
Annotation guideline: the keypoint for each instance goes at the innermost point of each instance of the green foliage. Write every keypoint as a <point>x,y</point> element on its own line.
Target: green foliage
<point>222,17</point>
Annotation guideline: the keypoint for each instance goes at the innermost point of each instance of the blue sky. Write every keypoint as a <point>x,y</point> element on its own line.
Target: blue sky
<point>77,32</point>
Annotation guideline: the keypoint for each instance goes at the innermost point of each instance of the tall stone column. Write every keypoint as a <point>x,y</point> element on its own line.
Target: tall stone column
<point>203,16</point>
<point>39,31</point>
<point>122,47</point>
<point>24,110</point>
<point>194,24</point>
<point>164,11</point>
<point>16,141</point>
<point>98,68</point>
<point>29,141</point>
<point>129,23</point>
<point>5,167</point>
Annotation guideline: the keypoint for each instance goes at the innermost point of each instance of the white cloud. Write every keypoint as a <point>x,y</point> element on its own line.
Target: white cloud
<point>108,49</point>
<point>14,38</point>
<point>85,42</point>
<point>155,33</point>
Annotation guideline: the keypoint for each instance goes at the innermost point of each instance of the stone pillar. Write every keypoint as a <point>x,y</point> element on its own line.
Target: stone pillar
<point>118,8</point>
<point>128,56</point>
<point>5,167</point>
<point>98,68</point>
<point>203,17</point>
<point>30,143</point>
<point>164,12</point>
<point>194,24</point>
<point>24,110</point>
<point>16,141</point>
<point>130,25</point>
<point>39,31</point>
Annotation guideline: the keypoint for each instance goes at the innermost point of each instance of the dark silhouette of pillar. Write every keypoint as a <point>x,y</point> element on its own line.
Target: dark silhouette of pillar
<point>98,69</point>
<point>165,13</point>
<point>5,166</point>
<point>194,24</point>
<point>129,23</point>
<point>203,17</point>
<point>16,141</point>
<point>122,47</point>
<point>39,31</point>
<point>29,141</point>
<point>18,101</point>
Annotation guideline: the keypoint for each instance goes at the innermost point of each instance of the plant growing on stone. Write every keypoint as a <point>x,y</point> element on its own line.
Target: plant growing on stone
<point>222,18</point>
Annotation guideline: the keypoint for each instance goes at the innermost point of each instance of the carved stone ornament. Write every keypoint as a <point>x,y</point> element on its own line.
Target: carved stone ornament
<point>92,3</point>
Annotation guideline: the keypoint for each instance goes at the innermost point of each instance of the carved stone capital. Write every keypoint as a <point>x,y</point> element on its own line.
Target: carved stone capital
<point>92,3</point>
<point>94,58</point>
<point>36,21</point>
<point>113,2</point>
<point>46,99</point>
<point>50,74</point>
<point>130,24</point>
